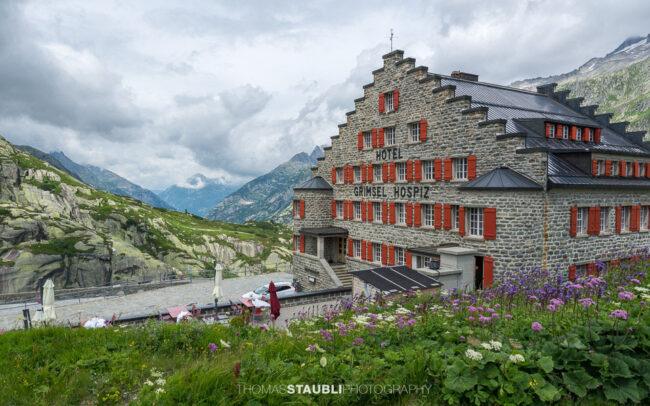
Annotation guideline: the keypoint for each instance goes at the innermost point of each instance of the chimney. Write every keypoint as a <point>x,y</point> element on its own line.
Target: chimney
<point>464,75</point>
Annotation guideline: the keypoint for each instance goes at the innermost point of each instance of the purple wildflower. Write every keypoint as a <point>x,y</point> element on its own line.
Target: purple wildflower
<point>358,341</point>
<point>536,326</point>
<point>551,308</point>
<point>618,314</point>
<point>213,347</point>
<point>470,318</point>
<point>263,327</point>
<point>508,316</point>
<point>625,295</point>
<point>471,309</point>
<point>383,344</point>
<point>586,302</point>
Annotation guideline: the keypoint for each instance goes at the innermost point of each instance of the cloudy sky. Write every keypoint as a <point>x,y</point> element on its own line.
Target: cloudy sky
<point>159,90</point>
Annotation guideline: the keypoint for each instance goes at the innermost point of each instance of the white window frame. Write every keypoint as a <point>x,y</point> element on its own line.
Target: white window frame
<point>376,252</point>
<point>645,212</point>
<point>476,221</point>
<point>459,168</point>
<point>414,132</point>
<point>389,136</point>
<point>428,170</point>
<point>401,171</point>
<point>428,215</point>
<point>357,210</point>
<point>296,209</point>
<point>604,220</point>
<point>455,220</point>
<point>579,134</point>
<point>625,218</point>
<point>400,213</point>
<point>377,212</point>
<point>629,169</point>
<point>400,256</point>
<point>377,174</point>
<point>590,134</point>
<point>614,168</point>
<point>565,132</point>
<point>356,245</point>
<point>642,169</point>
<point>357,174</point>
<point>340,175</point>
<point>340,211</point>
<point>552,132</point>
<point>582,221</point>
<point>367,139</point>
<point>388,102</point>
<point>600,167</point>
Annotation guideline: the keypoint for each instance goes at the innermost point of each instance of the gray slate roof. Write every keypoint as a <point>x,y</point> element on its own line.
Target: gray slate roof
<point>393,279</point>
<point>563,174</point>
<point>315,183</point>
<point>324,232</point>
<point>502,178</point>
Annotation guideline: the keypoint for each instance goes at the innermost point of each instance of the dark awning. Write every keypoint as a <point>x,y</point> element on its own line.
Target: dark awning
<point>430,250</point>
<point>393,279</point>
<point>315,183</point>
<point>502,178</point>
<point>324,232</point>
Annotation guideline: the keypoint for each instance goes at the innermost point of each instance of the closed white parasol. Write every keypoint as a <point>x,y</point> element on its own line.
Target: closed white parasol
<point>48,301</point>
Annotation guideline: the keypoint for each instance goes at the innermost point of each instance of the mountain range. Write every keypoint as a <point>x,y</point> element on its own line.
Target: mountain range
<point>199,195</point>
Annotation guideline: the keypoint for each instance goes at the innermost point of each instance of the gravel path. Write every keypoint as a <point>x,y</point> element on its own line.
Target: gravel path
<point>198,292</point>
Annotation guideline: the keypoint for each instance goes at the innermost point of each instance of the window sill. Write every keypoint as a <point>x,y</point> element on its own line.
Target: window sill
<point>473,238</point>
<point>401,181</point>
<point>427,181</point>
<point>413,142</point>
<point>458,180</point>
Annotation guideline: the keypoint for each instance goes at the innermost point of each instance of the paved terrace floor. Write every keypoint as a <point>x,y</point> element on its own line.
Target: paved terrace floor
<point>198,292</point>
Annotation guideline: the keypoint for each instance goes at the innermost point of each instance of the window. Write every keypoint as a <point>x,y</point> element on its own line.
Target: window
<point>642,169</point>
<point>376,208</point>
<point>367,139</point>
<point>427,211</point>
<point>414,132</point>
<point>401,172</point>
<point>565,132</point>
<point>590,134</point>
<point>357,210</point>
<point>400,256</point>
<point>454,217</point>
<point>614,168</point>
<point>581,220</point>
<point>339,209</point>
<point>578,133</point>
<point>459,168</point>
<point>388,101</point>
<point>645,211</point>
<point>376,252</point>
<point>476,222</point>
<point>400,209</point>
<point>357,174</point>
<point>429,170</point>
<point>389,135</point>
<point>551,132</point>
<point>376,174</point>
<point>625,218</point>
<point>296,242</point>
<point>296,208</point>
<point>423,262</point>
<point>357,248</point>
<point>340,177</point>
<point>581,270</point>
<point>604,219</point>
<point>600,167</point>
<point>629,169</point>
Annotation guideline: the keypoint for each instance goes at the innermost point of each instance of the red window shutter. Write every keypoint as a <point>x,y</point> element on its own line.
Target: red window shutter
<point>437,215</point>
<point>409,171</point>
<point>594,167</point>
<point>409,214</point>
<point>395,99</point>
<point>333,176</point>
<point>381,103</point>
<point>302,209</point>
<point>447,169</point>
<point>591,269</point>
<point>351,210</point>
<point>391,255</point>
<point>363,173</point>
<point>293,243</point>
<point>350,247</point>
<point>384,254</point>
<point>548,130</point>
<point>593,222</point>
<point>360,141</point>
<point>471,167</point>
<point>363,251</point>
<point>647,170</point>
<point>423,130</point>
<point>635,218</point>
<point>437,169</point>
<point>597,135</point>
<point>417,168</point>
<point>622,168</point>
<point>447,217</point>
<point>391,209</point>
<point>636,169</point>
<point>572,273</point>
<point>374,138</point>
<point>333,209</point>
<point>302,244</point>
<point>618,219</point>
<point>574,222</point>
<point>369,253</point>
<point>351,174</point>
<point>461,221</point>
<point>558,131</point>
<point>369,176</point>
<point>417,208</point>
<point>488,272</point>
<point>381,137</point>
<point>409,260</point>
<point>384,173</point>
<point>585,134</point>
<point>384,212</point>
<point>369,215</point>
<point>391,172</point>
<point>293,209</point>
<point>574,131</point>
<point>608,167</point>
<point>490,223</point>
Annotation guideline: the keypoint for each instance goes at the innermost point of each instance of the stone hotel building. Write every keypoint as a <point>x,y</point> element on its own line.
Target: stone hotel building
<point>464,180</point>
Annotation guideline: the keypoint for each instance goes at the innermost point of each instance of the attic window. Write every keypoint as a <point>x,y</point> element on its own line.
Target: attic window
<point>590,134</point>
<point>565,132</point>
<point>579,133</point>
<point>388,101</point>
<point>552,131</point>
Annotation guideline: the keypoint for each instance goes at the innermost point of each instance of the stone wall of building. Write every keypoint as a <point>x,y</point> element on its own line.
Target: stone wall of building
<point>318,208</point>
<point>306,266</point>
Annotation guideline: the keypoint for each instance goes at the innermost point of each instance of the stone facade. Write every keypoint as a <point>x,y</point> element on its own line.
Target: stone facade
<point>532,227</point>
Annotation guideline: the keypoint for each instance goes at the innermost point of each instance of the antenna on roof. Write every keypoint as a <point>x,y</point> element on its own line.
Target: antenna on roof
<point>391,39</point>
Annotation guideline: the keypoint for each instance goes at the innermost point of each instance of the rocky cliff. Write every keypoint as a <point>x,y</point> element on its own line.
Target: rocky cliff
<point>53,226</point>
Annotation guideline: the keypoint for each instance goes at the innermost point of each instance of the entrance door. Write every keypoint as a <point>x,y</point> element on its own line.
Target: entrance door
<point>341,250</point>
<point>478,273</point>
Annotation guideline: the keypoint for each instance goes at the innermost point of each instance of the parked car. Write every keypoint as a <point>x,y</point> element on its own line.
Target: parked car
<point>285,289</point>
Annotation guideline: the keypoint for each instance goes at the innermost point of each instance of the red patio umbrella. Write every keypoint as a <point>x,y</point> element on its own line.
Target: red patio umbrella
<point>273,300</point>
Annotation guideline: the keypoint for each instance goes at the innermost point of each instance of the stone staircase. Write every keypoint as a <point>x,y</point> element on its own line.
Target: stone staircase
<point>341,271</point>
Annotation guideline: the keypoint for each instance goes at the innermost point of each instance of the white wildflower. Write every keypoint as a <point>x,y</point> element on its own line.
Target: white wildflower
<point>319,349</point>
<point>515,358</point>
<point>401,310</point>
<point>148,382</point>
<point>289,333</point>
<point>496,345</point>
<point>156,374</point>
<point>160,381</point>
<point>224,344</point>
<point>473,355</point>
<point>323,361</point>
<point>160,390</point>
<point>487,346</point>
